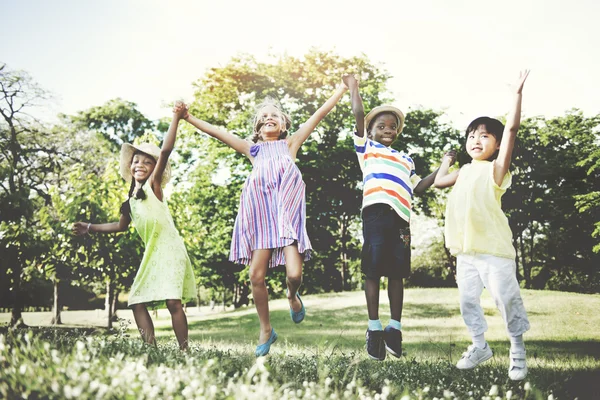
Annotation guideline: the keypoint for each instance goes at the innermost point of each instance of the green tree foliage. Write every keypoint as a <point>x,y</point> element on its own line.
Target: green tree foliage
<point>118,121</point>
<point>227,96</point>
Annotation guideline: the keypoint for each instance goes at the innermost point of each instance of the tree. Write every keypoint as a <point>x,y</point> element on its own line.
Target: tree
<point>118,121</point>
<point>28,156</point>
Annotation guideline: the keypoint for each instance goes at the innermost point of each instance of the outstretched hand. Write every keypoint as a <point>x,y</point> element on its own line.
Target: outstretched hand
<point>522,78</point>
<point>450,156</point>
<point>180,109</point>
<point>80,228</point>
<point>350,81</point>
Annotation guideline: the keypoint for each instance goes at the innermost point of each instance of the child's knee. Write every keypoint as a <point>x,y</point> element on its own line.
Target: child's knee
<point>174,306</point>
<point>257,278</point>
<point>295,279</point>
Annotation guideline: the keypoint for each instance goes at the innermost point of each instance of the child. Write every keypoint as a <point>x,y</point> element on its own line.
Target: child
<point>165,276</point>
<point>389,181</point>
<point>477,232</point>
<point>270,228</point>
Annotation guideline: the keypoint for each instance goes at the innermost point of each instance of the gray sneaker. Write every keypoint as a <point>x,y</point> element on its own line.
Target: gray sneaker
<point>474,356</point>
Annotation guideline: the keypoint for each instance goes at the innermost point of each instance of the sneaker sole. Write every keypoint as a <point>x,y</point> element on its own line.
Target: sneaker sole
<point>375,358</point>
<point>482,361</point>
<point>392,352</point>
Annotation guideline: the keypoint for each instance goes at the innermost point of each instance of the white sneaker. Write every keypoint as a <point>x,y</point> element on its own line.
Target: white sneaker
<point>474,356</point>
<point>518,366</point>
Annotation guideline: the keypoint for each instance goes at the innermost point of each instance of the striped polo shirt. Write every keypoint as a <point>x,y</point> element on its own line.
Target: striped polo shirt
<point>388,176</point>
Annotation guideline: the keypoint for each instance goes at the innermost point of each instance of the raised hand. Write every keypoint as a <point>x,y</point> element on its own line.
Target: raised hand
<point>80,228</point>
<point>350,81</point>
<point>180,109</point>
<point>522,78</point>
<point>450,156</point>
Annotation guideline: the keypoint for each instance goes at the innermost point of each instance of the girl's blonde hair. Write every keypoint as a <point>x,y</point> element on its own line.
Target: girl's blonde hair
<point>257,123</point>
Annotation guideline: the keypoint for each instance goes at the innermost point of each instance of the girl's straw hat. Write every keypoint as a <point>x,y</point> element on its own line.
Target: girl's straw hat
<point>381,109</point>
<point>127,151</point>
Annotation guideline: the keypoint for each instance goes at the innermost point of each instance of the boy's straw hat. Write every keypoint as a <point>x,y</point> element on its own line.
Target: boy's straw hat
<point>127,151</point>
<point>381,109</point>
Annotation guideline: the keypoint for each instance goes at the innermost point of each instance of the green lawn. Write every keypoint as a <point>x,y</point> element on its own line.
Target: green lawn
<point>563,346</point>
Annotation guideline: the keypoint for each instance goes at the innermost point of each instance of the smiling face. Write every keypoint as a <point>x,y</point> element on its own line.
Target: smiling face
<point>142,166</point>
<point>270,123</point>
<point>384,129</point>
<point>481,145</point>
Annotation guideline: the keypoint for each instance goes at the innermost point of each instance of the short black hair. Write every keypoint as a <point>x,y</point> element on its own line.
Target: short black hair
<point>492,125</point>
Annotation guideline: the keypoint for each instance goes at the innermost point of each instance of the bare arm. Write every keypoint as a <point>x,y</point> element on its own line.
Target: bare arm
<point>298,138</point>
<point>357,105</point>
<point>513,122</point>
<point>235,142</point>
<point>82,228</point>
<point>165,152</point>
<point>425,183</point>
<point>444,178</point>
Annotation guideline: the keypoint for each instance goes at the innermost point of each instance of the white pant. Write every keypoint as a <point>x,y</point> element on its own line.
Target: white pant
<point>497,274</point>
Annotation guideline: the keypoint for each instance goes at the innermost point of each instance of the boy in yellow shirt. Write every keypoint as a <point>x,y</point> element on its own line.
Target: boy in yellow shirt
<point>477,232</point>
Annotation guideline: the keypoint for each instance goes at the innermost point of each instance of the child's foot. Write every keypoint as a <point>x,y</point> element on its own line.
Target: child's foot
<point>297,310</point>
<point>375,345</point>
<point>518,366</point>
<point>263,349</point>
<point>474,356</point>
<point>393,341</point>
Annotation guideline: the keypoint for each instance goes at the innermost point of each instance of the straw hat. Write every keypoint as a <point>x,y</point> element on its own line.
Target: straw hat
<point>127,151</point>
<point>381,109</point>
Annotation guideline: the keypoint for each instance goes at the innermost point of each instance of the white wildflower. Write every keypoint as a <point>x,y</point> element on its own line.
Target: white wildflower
<point>527,386</point>
<point>80,345</point>
<point>23,369</point>
<point>494,390</point>
<point>550,397</point>
<point>509,394</point>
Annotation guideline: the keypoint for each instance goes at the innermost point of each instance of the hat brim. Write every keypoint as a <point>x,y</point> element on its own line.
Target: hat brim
<point>127,152</point>
<point>383,109</point>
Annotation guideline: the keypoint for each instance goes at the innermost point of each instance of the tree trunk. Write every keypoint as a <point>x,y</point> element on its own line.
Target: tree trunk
<point>56,307</point>
<point>108,304</point>
<point>344,254</point>
<point>16,317</point>
<point>115,302</point>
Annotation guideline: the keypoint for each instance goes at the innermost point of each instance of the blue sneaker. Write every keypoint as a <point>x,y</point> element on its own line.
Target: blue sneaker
<point>263,349</point>
<point>298,317</point>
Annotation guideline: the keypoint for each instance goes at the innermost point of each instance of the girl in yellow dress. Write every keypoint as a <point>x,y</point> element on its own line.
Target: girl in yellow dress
<point>165,277</point>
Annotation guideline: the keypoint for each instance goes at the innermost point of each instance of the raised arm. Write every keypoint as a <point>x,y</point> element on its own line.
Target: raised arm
<point>167,147</point>
<point>298,138</point>
<point>82,228</point>
<point>357,105</point>
<point>443,178</point>
<point>513,122</point>
<point>235,142</point>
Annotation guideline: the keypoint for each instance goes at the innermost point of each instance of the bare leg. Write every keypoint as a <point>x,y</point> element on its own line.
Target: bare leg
<point>396,296</point>
<point>179,321</point>
<point>258,272</point>
<point>293,269</point>
<point>144,323</point>
<point>372,295</point>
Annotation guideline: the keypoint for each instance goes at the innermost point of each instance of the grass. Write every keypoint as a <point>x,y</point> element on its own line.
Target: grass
<point>562,345</point>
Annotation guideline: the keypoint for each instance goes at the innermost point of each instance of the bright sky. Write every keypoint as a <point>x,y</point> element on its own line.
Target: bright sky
<point>453,55</point>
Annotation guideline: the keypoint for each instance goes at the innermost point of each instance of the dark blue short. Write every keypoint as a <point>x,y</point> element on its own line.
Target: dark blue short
<point>386,248</point>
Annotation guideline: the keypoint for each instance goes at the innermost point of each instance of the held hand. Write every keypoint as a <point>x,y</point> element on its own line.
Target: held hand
<point>80,228</point>
<point>350,81</point>
<point>450,157</point>
<point>522,78</point>
<point>180,110</point>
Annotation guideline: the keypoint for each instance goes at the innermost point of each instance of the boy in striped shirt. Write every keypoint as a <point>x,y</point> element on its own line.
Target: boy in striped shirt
<point>389,181</point>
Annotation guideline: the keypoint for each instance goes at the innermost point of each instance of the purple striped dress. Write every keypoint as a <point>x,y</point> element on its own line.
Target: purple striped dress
<point>272,211</point>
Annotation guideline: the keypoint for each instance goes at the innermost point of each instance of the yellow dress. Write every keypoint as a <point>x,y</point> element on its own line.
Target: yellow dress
<point>166,271</point>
